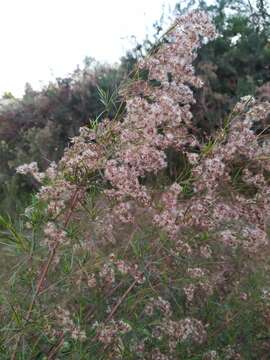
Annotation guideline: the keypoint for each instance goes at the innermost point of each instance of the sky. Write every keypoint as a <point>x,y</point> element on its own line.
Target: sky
<point>45,39</point>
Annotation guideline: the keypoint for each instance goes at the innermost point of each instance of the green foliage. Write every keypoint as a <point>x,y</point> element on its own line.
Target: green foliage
<point>236,322</point>
<point>235,64</point>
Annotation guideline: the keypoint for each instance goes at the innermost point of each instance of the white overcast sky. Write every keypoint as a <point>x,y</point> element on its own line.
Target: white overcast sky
<point>43,39</point>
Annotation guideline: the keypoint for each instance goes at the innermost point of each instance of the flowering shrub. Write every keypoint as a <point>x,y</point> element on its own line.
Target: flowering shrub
<point>141,264</point>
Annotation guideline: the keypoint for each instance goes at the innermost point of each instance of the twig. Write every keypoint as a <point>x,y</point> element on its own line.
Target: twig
<point>55,349</point>
<point>119,302</point>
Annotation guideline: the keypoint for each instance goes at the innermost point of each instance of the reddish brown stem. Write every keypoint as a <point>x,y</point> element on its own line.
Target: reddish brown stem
<point>46,267</point>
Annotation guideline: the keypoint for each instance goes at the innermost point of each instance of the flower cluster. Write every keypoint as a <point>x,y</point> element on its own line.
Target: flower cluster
<point>188,329</point>
<point>107,272</point>
<point>67,325</point>
<point>158,117</point>
<point>54,236</point>
<point>31,169</point>
<point>109,333</point>
<point>159,304</point>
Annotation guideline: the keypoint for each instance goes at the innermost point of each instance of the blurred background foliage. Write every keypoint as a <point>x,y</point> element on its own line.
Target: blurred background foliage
<point>39,126</point>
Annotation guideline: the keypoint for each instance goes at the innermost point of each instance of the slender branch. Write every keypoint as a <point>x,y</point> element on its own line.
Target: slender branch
<point>45,269</point>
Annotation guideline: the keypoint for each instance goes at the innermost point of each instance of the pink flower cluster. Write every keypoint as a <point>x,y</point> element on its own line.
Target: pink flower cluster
<point>67,325</point>
<point>158,117</point>
<point>110,332</point>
